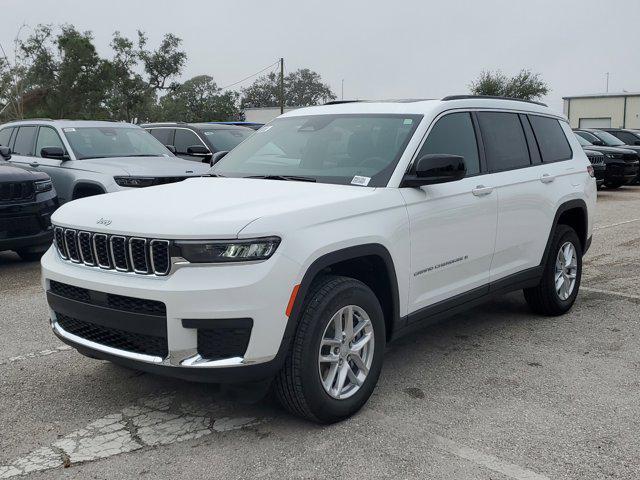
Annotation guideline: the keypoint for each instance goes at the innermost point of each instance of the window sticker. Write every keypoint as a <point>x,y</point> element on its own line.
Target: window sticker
<point>362,181</point>
<point>408,121</point>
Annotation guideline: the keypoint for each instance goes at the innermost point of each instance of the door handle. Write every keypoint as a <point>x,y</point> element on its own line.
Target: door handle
<point>546,178</point>
<point>481,191</point>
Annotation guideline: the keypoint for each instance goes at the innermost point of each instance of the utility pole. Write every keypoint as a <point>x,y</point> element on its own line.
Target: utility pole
<point>607,82</point>
<point>281,86</point>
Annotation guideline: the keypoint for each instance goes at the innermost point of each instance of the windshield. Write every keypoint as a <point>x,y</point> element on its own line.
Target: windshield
<point>344,149</point>
<point>224,140</point>
<point>582,141</point>
<point>608,139</point>
<point>107,142</point>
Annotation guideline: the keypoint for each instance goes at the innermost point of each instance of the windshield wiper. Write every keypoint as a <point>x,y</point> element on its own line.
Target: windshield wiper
<point>293,178</point>
<point>214,175</point>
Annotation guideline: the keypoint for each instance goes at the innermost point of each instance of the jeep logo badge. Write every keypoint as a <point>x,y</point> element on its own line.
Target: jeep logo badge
<point>104,221</point>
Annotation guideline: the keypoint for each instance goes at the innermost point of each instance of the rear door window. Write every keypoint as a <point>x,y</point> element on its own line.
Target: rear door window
<point>453,134</point>
<point>25,140</point>
<point>164,135</point>
<point>551,139</point>
<point>5,136</point>
<point>504,140</point>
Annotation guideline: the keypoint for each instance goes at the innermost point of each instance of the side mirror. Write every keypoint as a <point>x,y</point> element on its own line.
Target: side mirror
<point>171,148</point>
<point>216,157</point>
<point>5,152</point>
<point>436,168</point>
<point>637,142</point>
<point>198,151</point>
<point>598,143</point>
<point>56,153</point>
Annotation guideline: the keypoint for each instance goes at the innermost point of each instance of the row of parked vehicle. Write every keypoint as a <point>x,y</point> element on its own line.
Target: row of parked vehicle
<point>46,163</point>
<point>614,154</point>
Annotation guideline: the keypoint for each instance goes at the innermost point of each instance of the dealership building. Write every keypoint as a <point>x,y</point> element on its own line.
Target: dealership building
<point>617,110</point>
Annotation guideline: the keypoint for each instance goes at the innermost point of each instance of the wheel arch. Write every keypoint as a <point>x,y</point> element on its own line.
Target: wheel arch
<point>356,262</point>
<point>89,185</point>
<point>573,213</point>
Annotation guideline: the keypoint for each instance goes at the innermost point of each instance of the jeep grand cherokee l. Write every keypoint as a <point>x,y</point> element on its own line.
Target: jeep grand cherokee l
<point>27,200</point>
<point>85,158</point>
<point>330,232</point>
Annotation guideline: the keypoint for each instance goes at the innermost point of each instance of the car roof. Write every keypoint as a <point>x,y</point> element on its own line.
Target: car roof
<point>70,123</point>
<point>198,125</point>
<point>422,106</point>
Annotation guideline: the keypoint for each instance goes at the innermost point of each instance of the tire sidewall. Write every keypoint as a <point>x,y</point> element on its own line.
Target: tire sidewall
<point>325,407</point>
<point>566,234</point>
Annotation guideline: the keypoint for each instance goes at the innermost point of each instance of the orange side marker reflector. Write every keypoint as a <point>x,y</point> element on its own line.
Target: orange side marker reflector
<point>292,299</point>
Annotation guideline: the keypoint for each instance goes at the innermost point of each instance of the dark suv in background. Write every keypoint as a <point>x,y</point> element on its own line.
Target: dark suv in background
<point>198,141</point>
<point>602,138</point>
<point>27,200</point>
<point>628,136</point>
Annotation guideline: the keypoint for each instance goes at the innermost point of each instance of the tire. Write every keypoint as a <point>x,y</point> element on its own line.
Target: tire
<point>30,255</point>
<point>545,298</point>
<point>298,386</point>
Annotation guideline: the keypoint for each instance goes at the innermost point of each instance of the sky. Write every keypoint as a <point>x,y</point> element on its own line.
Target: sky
<point>381,49</point>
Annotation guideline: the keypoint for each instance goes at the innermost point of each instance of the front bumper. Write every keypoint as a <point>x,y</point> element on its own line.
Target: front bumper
<point>38,215</point>
<point>207,295</point>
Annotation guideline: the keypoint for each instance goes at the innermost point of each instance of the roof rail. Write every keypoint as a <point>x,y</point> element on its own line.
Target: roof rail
<point>338,102</point>
<point>491,97</point>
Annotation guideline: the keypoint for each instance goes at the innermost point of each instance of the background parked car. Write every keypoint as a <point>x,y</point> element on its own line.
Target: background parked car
<point>603,138</point>
<point>85,158</point>
<point>598,164</point>
<point>622,164</point>
<point>27,200</point>
<point>251,125</point>
<point>198,141</point>
<point>628,136</point>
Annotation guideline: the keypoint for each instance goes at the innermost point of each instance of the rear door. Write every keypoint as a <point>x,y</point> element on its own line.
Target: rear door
<point>23,145</point>
<point>453,225</point>
<point>523,185</point>
<point>60,176</point>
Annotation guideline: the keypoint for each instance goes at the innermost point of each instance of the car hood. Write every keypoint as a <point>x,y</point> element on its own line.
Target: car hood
<point>11,173</point>
<point>598,148</point>
<point>212,207</point>
<point>142,166</point>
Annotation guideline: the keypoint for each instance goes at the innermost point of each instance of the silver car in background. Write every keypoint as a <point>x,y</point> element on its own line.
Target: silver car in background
<point>85,158</point>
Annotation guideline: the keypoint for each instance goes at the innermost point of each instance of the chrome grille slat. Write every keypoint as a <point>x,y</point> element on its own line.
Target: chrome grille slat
<point>137,255</point>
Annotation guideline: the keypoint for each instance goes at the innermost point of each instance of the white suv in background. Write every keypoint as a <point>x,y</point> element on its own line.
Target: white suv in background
<point>85,158</point>
<point>329,233</point>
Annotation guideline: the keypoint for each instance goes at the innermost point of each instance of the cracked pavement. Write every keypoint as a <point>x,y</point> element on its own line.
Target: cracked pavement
<point>493,393</point>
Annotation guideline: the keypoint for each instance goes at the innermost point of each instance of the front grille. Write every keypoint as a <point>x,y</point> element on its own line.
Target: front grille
<point>16,191</point>
<point>114,252</point>
<point>14,227</point>
<point>596,159</point>
<point>113,337</point>
<point>218,343</point>
<point>117,302</point>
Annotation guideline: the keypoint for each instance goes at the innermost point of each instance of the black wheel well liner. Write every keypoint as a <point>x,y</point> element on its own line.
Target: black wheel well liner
<point>87,186</point>
<point>574,214</point>
<point>356,262</point>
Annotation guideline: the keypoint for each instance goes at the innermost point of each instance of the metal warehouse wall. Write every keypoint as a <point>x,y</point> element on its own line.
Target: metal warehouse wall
<point>596,110</point>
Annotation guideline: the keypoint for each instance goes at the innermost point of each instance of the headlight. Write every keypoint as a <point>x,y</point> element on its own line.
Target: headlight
<point>43,186</point>
<point>220,251</point>
<point>613,155</point>
<point>135,181</point>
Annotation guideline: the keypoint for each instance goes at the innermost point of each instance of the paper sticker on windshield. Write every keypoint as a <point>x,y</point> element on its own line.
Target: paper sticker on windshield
<point>265,129</point>
<point>408,121</point>
<point>69,129</point>
<point>362,181</point>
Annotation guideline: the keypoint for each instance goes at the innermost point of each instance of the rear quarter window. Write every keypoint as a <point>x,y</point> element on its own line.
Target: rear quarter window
<point>5,136</point>
<point>552,141</point>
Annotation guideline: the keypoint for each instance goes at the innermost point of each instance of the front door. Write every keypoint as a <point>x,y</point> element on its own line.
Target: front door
<point>453,225</point>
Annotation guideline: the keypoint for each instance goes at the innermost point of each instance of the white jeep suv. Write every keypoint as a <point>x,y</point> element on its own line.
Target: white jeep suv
<point>329,233</point>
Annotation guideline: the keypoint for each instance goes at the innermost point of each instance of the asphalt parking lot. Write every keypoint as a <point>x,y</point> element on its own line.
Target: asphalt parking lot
<point>495,393</point>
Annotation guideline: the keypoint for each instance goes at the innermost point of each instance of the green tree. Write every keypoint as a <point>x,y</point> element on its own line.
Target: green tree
<point>525,85</point>
<point>199,100</point>
<point>164,63</point>
<point>302,88</point>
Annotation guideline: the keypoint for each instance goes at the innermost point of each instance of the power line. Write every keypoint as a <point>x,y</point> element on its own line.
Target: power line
<point>252,75</point>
